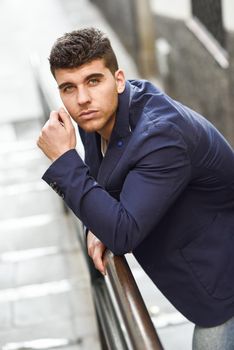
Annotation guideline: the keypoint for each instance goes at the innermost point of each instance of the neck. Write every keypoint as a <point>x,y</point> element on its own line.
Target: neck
<point>106,131</point>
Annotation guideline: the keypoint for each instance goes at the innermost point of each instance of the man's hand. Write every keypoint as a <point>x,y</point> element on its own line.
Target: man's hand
<point>96,250</point>
<point>58,135</point>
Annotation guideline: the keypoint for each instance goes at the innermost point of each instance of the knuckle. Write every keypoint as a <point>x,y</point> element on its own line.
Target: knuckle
<point>51,125</point>
<point>97,242</point>
<point>90,251</point>
<point>44,130</point>
<point>97,264</point>
<point>53,114</point>
<point>95,255</point>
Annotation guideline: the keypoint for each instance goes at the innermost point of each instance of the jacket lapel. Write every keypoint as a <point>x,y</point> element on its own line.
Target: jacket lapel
<point>93,155</point>
<point>119,138</point>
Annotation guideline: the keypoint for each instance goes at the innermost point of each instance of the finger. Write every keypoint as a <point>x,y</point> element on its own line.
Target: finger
<point>92,242</point>
<point>90,245</point>
<point>39,141</point>
<point>45,126</point>
<point>65,118</point>
<point>98,259</point>
<point>90,250</point>
<point>54,119</point>
<point>94,245</point>
<point>54,116</point>
<point>98,262</point>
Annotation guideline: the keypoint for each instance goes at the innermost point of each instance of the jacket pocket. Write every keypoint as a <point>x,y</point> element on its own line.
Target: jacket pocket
<point>211,257</point>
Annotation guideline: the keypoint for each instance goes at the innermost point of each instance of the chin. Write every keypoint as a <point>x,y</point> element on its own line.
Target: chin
<point>93,125</point>
<point>89,128</point>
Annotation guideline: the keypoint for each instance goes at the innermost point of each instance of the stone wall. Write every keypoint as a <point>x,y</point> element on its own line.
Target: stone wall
<point>121,15</point>
<point>127,18</point>
<point>194,77</point>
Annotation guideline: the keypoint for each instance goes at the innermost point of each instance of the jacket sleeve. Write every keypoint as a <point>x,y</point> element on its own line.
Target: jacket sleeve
<point>158,177</point>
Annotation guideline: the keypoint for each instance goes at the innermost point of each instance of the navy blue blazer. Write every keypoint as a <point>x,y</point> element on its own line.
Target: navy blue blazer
<point>165,191</point>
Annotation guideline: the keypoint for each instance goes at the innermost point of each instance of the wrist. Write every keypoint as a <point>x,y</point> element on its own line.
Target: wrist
<point>56,156</point>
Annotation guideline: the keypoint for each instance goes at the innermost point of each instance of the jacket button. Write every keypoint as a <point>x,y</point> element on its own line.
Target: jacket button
<point>120,143</point>
<point>60,193</point>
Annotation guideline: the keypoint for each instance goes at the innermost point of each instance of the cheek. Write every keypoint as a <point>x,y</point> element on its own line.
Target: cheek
<point>69,103</point>
<point>110,102</point>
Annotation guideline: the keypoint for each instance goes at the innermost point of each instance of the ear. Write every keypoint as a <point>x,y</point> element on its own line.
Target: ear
<point>120,80</point>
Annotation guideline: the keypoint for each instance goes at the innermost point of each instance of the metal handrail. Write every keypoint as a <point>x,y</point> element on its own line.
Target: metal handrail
<point>123,319</point>
<point>138,327</point>
<point>46,103</point>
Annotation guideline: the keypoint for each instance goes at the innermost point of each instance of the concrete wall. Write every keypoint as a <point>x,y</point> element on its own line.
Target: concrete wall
<point>194,74</point>
<point>194,77</point>
<point>120,14</point>
<point>189,71</point>
<point>127,17</point>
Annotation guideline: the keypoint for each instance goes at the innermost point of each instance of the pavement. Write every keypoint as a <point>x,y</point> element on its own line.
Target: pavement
<point>45,295</point>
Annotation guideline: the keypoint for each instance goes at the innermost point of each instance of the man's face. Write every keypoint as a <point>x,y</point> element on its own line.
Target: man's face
<point>90,95</point>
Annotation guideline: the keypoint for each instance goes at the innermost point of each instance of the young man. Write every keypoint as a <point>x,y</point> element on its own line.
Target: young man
<point>158,180</point>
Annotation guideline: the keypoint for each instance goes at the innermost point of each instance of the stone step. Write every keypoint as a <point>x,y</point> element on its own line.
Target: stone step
<point>51,268</point>
<point>21,131</point>
<point>25,158</point>
<point>39,248</point>
<point>37,231</point>
<point>51,305</point>
<point>22,174</point>
<point>28,199</point>
<point>48,267</point>
<point>42,343</point>
<point>77,331</point>
<point>13,145</point>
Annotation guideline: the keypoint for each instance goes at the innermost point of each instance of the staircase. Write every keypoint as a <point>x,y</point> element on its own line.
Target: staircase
<point>45,297</point>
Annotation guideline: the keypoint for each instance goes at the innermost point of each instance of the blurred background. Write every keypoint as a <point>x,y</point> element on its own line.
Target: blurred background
<point>186,47</point>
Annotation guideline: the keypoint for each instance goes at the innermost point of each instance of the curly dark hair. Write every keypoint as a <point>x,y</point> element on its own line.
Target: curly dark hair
<point>82,46</point>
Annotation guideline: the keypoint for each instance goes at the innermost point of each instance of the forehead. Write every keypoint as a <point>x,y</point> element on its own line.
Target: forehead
<point>82,72</point>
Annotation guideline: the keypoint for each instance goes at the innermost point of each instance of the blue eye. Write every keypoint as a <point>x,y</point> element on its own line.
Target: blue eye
<point>93,81</point>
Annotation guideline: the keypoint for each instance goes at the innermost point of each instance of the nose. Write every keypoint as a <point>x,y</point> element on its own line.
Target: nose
<point>83,96</point>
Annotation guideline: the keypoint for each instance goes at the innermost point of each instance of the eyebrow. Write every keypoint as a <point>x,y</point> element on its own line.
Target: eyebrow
<point>90,76</point>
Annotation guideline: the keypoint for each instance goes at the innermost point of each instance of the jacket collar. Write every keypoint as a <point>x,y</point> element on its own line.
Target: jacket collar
<point>121,127</point>
<point>119,138</point>
<point>101,168</point>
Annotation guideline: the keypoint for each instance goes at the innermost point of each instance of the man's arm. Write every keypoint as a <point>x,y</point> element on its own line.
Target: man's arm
<point>161,173</point>
<point>56,138</point>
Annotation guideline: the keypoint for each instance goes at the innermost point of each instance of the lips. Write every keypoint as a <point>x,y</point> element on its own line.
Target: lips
<point>88,114</point>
